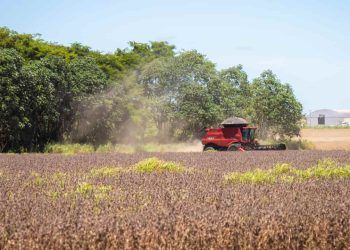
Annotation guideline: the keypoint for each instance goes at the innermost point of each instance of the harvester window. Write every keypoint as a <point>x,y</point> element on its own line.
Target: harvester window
<point>252,134</point>
<point>245,134</point>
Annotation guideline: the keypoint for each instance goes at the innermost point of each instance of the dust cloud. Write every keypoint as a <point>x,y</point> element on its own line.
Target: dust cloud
<point>195,146</point>
<point>122,115</point>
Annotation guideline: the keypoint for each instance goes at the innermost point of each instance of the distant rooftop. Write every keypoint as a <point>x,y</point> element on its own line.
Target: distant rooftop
<point>342,110</point>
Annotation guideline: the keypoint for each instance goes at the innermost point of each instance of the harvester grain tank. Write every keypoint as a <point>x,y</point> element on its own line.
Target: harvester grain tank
<point>234,134</point>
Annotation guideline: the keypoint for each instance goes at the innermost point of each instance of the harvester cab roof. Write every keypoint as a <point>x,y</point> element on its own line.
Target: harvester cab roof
<point>234,122</point>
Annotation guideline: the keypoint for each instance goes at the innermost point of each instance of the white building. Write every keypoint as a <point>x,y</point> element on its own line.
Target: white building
<point>328,117</point>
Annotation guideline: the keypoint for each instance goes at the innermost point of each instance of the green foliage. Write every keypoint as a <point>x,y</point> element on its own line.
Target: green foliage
<point>106,171</point>
<point>12,109</point>
<point>151,165</point>
<point>325,169</point>
<point>255,176</point>
<point>85,188</point>
<point>69,148</point>
<point>31,47</point>
<point>235,92</point>
<point>275,108</point>
<point>285,173</point>
<point>37,180</point>
<point>145,93</point>
<point>196,110</point>
<point>282,168</point>
<point>99,192</point>
<point>298,144</point>
<point>292,143</point>
<point>183,92</point>
<point>37,98</point>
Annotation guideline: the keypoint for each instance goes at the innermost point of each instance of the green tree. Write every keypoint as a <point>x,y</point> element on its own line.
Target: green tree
<point>167,83</point>
<point>40,107</point>
<point>12,108</point>
<point>195,111</point>
<point>38,99</point>
<point>235,92</point>
<point>74,82</point>
<point>162,49</point>
<point>276,111</point>
<point>50,92</point>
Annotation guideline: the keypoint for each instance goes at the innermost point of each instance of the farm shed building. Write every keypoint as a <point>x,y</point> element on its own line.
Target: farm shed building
<point>328,117</point>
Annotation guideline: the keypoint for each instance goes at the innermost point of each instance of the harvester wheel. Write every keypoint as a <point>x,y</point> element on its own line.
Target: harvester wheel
<point>234,147</point>
<point>208,149</point>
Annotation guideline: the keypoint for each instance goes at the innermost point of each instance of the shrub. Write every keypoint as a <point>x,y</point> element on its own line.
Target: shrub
<point>85,188</point>
<point>155,165</point>
<point>69,148</point>
<point>255,176</point>
<point>327,169</point>
<point>285,173</point>
<point>282,168</point>
<point>299,144</point>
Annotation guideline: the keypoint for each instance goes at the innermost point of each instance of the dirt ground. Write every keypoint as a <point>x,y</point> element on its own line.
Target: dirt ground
<point>328,138</point>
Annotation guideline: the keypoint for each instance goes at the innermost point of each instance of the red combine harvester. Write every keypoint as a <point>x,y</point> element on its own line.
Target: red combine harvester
<point>234,135</point>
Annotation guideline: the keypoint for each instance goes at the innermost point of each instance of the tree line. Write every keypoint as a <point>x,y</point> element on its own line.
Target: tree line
<point>145,92</point>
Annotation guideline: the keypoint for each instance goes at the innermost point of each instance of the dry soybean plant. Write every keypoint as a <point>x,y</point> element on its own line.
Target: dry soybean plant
<point>150,200</point>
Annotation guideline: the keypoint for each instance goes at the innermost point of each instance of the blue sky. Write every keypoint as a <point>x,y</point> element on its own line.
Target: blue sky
<point>306,43</point>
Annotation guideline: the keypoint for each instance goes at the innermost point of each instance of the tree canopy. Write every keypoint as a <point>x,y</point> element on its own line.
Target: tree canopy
<point>145,92</point>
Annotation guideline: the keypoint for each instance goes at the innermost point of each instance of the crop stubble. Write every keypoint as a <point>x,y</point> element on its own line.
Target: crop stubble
<point>41,205</point>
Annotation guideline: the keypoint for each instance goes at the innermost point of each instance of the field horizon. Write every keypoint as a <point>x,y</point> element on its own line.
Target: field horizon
<point>328,138</point>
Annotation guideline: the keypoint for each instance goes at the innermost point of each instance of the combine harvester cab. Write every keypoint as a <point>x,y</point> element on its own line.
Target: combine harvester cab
<point>234,135</point>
